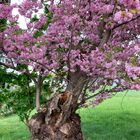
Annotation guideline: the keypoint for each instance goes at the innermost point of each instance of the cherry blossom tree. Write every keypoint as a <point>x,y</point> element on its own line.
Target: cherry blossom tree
<point>92,48</point>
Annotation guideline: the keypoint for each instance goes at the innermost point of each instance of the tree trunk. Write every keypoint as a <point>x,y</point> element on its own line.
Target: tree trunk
<point>38,85</point>
<point>70,130</point>
<point>58,120</point>
<point>38,94</point>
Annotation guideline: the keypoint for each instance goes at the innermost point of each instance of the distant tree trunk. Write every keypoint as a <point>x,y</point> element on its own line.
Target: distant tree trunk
<point>38,85</point>
<point>59,120</point>
<point>38,94</point>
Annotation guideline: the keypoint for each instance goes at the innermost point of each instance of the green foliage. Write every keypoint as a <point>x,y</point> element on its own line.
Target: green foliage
<point>48,13</point>
<point>34,19</point>
<point>19,96</point>
<point>5,77</point>
<point>38,33</point>
<point>21,101</point>
<point>5,111</point>
<point>3,23</point>
<point>134,60</point>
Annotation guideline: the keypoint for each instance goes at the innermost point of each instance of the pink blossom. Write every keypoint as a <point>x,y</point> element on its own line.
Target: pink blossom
<point>93,39</point>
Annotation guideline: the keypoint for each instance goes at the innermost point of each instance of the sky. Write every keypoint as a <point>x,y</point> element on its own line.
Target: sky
<point>21,20</point>
<point>16,1</point>
<point>15,12</point>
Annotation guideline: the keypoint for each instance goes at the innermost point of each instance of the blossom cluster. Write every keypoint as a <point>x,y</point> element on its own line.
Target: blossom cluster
<point>97,37</point>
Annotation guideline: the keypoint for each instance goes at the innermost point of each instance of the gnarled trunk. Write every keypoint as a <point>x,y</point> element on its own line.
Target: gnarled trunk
<point>58,120</point>
<point>70,130</point>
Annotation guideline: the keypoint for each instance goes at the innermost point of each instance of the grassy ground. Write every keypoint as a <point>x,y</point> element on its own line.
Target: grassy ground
<point>115,119</point>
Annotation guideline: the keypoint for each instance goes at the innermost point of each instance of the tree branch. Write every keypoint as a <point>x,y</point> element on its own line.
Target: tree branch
<point>125,22</point>
<point>8,66</point>
<point>116,89</point>
<point>16,69</point>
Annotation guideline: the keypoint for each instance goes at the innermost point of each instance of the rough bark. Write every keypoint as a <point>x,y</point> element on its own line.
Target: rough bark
<point>57,122</point>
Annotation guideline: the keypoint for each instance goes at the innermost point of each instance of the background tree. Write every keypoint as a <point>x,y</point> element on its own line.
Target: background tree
<point>14,92</point>
<point>91,47</point>
<point>17,94</point>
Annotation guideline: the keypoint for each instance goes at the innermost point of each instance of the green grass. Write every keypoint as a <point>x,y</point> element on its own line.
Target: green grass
<point>12,129</point>
<point>115,119</point>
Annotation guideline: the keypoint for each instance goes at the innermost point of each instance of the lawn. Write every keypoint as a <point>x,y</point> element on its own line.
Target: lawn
<point>115,119</point>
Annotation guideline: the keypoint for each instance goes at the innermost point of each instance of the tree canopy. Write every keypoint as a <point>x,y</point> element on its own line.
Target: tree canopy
<point>98,39</point>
